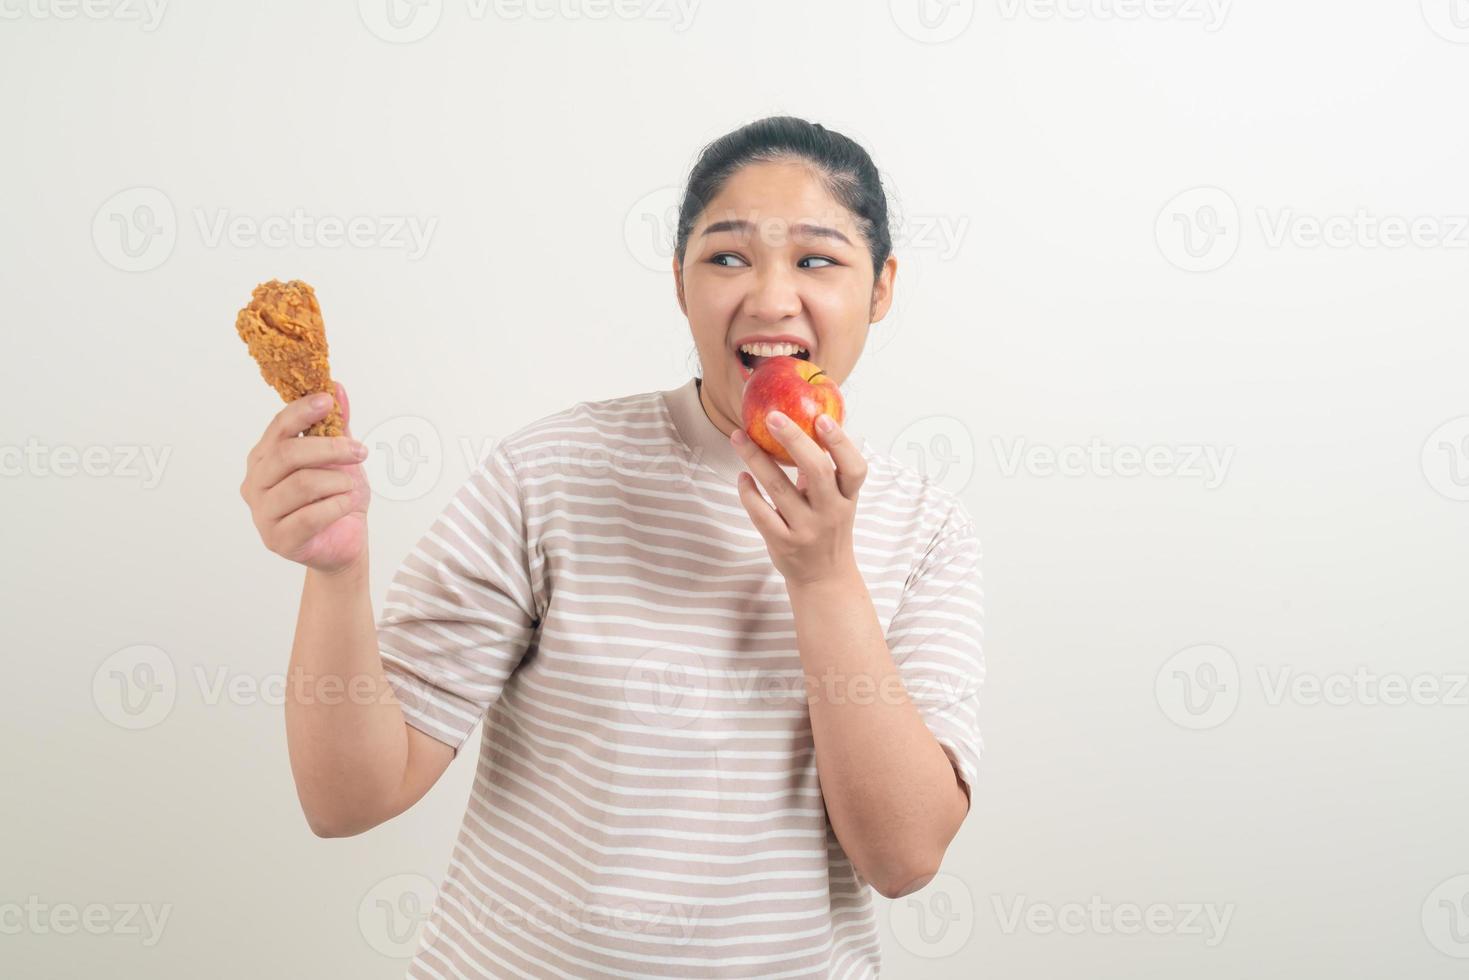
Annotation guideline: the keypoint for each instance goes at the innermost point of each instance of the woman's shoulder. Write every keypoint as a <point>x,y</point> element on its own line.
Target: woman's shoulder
<point>589,425</point>
<point>923,501</point>
<point>891,477</point>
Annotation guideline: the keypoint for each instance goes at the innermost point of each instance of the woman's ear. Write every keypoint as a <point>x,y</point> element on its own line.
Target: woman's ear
<point>678,285</point>
<point>882,289</point>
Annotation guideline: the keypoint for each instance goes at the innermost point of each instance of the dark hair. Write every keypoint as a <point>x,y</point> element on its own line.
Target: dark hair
<point>842,165</point>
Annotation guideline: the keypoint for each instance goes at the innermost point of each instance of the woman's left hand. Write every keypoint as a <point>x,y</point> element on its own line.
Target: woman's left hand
<point>809,530</point>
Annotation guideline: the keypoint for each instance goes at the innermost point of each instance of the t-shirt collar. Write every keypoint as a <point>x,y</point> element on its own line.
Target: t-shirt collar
<point>710,446</point>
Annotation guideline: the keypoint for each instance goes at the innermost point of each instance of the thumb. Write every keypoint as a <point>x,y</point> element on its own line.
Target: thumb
<point>346,408</point>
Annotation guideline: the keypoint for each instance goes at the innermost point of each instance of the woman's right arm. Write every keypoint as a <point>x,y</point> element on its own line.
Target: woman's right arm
<point>355,760</point>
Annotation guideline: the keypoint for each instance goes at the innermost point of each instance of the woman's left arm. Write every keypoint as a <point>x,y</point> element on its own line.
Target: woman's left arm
<point>892,794</point>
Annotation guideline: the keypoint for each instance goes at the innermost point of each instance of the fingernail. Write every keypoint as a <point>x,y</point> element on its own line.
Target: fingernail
<point>738,437</point>
<point>359,450</point>
<point>824,423</point>
<point>775,420</point>
<point>321,401</point>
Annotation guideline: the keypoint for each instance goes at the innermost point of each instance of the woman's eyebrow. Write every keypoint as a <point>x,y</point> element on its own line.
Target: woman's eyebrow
<point>808,230</point>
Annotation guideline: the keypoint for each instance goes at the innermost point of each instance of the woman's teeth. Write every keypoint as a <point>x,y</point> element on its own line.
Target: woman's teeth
<point>751,355</point>
<point>772,350</point>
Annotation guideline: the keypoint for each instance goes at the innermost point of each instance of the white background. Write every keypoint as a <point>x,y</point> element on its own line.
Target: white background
<point>1054,288</point>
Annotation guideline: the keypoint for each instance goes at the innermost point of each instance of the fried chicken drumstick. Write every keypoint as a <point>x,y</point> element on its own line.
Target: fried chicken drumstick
<point>283,329</point>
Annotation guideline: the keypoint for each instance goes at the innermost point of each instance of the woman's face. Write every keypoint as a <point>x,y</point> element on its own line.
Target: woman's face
<point>774,254</point>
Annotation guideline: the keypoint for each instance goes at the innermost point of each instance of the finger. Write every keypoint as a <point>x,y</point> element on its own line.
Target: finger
<point>294,419</point>
<point>769,523</point>
<point>851,467</point>
<point>301,488</point>
<point>309,451</point>
<point>299,527</point>
<point>789,501</point>
<point>346,408</point>
<point>811,459</point>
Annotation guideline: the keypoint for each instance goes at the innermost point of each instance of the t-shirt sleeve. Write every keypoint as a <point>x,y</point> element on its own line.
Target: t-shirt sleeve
<point>936,641</point>
<point>461,610</point>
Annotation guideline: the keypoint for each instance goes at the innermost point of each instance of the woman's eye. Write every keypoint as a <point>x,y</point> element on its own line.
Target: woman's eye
<point>718,260</point>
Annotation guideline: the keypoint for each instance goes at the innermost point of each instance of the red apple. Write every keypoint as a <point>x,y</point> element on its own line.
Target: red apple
<point>798,388</point>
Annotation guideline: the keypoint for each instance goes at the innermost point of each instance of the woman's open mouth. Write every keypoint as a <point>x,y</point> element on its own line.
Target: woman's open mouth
<point>750,359</point>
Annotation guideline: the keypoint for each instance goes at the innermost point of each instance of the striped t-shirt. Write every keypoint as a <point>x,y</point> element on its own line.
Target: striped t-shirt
<point>646,801</point>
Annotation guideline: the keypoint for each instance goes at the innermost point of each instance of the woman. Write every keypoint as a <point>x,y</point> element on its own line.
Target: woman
<point>710,723</point>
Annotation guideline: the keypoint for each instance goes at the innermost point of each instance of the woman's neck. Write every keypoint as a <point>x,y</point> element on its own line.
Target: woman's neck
<point>716,418</point>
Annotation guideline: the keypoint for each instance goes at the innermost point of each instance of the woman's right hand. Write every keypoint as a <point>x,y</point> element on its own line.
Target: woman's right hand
<point>308,495</point>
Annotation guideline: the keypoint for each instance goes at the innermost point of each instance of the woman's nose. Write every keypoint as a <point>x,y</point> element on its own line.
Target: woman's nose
<point>774,296</point>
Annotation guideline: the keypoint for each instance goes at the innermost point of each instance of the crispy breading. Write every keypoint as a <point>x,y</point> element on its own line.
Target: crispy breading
<point>283,329</point>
